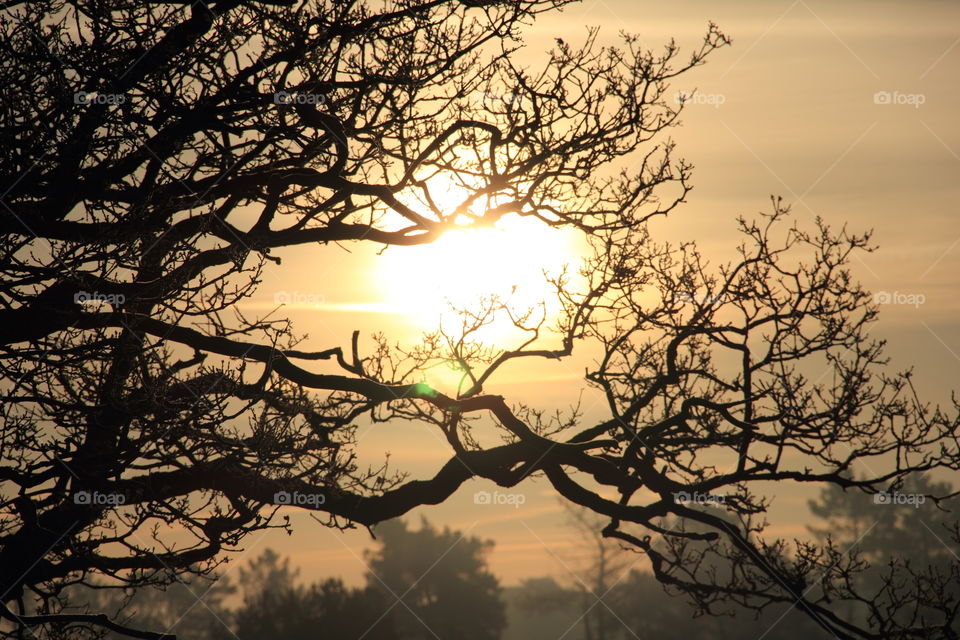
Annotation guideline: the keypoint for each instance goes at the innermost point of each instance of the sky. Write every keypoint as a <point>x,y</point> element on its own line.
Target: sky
<point>846,109</point>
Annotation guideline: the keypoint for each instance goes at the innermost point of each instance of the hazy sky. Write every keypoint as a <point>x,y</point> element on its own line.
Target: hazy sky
<point>792,109</point>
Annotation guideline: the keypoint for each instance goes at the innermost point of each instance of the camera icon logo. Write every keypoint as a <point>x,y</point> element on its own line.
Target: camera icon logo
<point>82,497</point>
<point>481,497</point>
<point>282,497</point>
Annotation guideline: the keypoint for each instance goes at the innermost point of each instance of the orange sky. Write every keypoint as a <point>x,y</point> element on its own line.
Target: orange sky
<point>789,109</point>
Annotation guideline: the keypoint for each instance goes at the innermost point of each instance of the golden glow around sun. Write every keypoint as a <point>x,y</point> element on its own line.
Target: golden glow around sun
<point>462,267</point>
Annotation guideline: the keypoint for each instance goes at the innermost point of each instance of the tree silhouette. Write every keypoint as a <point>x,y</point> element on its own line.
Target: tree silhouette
<point>438,583</point>
<point>275,607</point>
<point>881,528</point>
<point>159,156</point>
<point>912,541</point>
<point>605,567</point>
<point>189,609</point>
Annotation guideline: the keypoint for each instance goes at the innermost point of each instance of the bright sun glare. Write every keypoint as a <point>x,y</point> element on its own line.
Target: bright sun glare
<point>463,266</point>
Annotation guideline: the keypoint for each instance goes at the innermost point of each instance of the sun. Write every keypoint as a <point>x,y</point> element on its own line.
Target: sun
<point>512,259</point>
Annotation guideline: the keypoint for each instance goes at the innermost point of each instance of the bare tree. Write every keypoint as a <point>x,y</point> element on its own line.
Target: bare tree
<point>606,566</point>
<point>587,583</point>
<point>158,156</point>
<point>754,372</point>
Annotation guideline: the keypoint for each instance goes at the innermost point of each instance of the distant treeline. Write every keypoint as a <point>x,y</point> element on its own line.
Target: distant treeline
<point>434,584</point>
